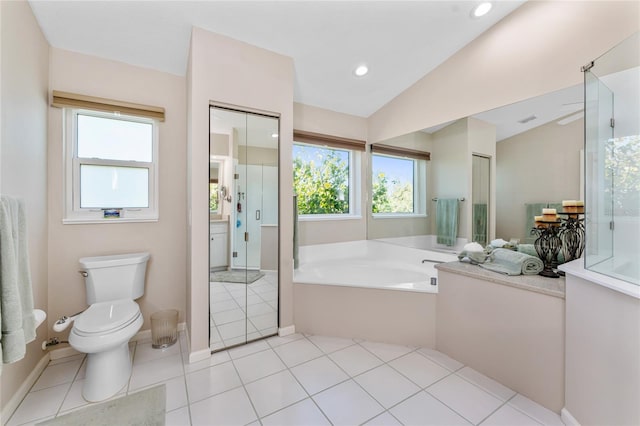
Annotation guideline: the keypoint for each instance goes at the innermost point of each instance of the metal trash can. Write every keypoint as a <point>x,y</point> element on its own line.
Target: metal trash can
<point>164,328</point>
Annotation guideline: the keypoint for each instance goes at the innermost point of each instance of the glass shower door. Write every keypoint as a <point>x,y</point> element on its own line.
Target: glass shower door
<point>599,176</point>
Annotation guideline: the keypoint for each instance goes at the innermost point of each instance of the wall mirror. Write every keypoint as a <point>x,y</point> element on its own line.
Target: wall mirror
<point>243,229</point>
<point>500,161</point>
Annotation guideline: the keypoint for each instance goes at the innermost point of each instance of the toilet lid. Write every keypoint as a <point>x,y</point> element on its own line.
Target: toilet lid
<point>105,316</point>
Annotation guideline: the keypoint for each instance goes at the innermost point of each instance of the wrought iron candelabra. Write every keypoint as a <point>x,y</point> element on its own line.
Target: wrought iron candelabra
<point>572,233</point>
<point>547,246</point>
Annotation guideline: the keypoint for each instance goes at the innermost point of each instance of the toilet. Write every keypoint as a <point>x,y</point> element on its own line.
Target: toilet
<point>103,331</point>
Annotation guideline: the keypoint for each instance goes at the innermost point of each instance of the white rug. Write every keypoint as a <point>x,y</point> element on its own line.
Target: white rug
<point>144,408</point>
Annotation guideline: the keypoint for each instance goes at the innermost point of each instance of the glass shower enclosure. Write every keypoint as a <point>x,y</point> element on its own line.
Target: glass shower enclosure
<point>612,162</point>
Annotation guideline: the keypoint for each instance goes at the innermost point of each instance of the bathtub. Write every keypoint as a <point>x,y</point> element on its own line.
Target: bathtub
<point>370,264</point>
<point>368,289</point>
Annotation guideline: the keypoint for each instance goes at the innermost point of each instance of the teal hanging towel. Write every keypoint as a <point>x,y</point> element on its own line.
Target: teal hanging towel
<point>447,220</point>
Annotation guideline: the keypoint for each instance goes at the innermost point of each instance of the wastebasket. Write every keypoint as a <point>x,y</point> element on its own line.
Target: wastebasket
<point>164,328</point>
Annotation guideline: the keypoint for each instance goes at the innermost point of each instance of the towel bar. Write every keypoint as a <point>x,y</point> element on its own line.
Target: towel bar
<point>459,199</point>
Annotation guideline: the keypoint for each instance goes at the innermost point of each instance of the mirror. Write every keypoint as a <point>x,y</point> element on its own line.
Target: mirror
<point>243,231</point>
<point>506,158</point>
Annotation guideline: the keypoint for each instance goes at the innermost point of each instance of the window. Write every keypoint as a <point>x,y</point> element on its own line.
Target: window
<point>398,185</point>
<point>325,170</point>
<point>111,167</point>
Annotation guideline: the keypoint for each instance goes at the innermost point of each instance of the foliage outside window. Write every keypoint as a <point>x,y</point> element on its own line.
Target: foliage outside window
<point>321,179</point>
<point>622,175</point>
<point>213,197</point>
<point>393,184</point>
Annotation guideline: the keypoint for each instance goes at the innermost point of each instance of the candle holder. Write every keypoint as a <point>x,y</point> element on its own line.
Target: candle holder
<point>547,245</point>
<point>572,233</point>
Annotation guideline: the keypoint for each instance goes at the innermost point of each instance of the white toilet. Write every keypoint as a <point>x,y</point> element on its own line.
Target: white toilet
<point>103,331</point>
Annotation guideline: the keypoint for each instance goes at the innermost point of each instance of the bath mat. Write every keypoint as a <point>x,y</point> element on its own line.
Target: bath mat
<point>236,276</point>
<point>144,408</point>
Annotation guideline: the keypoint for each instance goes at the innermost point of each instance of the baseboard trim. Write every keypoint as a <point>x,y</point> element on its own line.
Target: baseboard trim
<point>285,331</point>
<point>199,355</point>
<point>24,388</point>
<point>567,418</point>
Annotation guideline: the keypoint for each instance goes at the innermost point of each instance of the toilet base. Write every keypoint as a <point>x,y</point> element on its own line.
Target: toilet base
<point>107,373</point>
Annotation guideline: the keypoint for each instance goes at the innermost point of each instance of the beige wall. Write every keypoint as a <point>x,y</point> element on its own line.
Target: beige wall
<point>318,120</point>
<point>512,61</point>
<point>224,70</point>
<point>551,153</point>
<point>23,157</point>
<point>602,355</point>
<point>512,335</point>
<point>165,239</point>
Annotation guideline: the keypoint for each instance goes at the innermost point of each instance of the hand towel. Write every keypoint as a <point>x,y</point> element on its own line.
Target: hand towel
<point>447,221</point>
<point>511,262</point>
<point>17,321</point>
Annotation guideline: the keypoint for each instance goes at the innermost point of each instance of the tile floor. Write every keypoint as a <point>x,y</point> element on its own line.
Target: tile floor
<point>300,380</point>
<point>238,308</point>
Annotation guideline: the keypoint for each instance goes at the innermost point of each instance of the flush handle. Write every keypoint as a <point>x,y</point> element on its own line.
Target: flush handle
<point>84,273</point>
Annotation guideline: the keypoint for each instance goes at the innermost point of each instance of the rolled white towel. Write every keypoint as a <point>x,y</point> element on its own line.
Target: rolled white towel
<point>498,242</point>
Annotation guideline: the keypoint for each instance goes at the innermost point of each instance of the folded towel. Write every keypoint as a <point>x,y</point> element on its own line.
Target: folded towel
<point>512,262</point>
<point>17,320</point>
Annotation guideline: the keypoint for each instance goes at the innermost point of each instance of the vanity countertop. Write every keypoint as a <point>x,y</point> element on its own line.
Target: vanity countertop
<point>536,283</point>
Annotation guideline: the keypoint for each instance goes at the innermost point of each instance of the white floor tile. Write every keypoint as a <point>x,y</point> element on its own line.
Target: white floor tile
<point>298,352</point>
<point>175,392</point>
<point>214,359</point>
<point>442,359</point>
<point>386,385</point>
<point>318,374</point>
<point>276,341</point>
<point>274,392</point>
<point>385,351</point>
<point>210,381</point>
<point>330,344</point>
<point>419,369</point>
<point>264,321</point>
<point>66,359</point>
<point>39,404</point>
<point>248,349</point>
<point>536,411</point>
<point>226,317</point>
<point>232,341</point>
<point>466,399</point>
<point>57,374</point>
<point>258,365</point>
<point>155,371</point>
<point>347,404</point>
<point>74,398</point>
<point>260,309</point>
<point>235,329</point>
<point>179,417</point>
<point>384,419</point>
<point>355,360</point>
<point>223,306</point>
<point>145,352</point>
<point>509,416</point>
<point>424,409</point>
<point>227,409</point>
<point>301,413</point>
<point>494,388</point>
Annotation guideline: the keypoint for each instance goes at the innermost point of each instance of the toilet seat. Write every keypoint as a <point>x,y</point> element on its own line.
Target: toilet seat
<point>106,317</point>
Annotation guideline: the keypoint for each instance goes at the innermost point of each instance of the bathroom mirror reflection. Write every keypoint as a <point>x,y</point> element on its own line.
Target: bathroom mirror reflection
<point>507,158</point>
<point>243,230</point>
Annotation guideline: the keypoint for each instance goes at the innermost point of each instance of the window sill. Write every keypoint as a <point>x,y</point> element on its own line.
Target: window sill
<point>398,216</point>
<point>93,221</point>
<point>327,217</point>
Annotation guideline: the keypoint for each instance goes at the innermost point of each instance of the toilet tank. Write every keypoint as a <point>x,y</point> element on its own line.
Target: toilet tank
<point>114,277</point>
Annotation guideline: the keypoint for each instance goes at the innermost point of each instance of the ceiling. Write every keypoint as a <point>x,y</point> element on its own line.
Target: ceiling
<point>400,41</point>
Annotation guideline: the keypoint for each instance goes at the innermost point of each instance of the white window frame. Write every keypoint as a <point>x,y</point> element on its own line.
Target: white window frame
<point>419,189</point>
<point>355,159</point>
<point>73,213</point>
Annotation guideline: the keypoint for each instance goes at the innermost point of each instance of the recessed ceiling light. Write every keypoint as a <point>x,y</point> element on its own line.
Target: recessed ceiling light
<point>361,70</point>
<point>274,135</point>
<point>481,9</point>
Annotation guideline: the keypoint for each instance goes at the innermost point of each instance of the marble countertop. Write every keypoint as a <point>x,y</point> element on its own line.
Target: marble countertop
<point>550,286</point>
